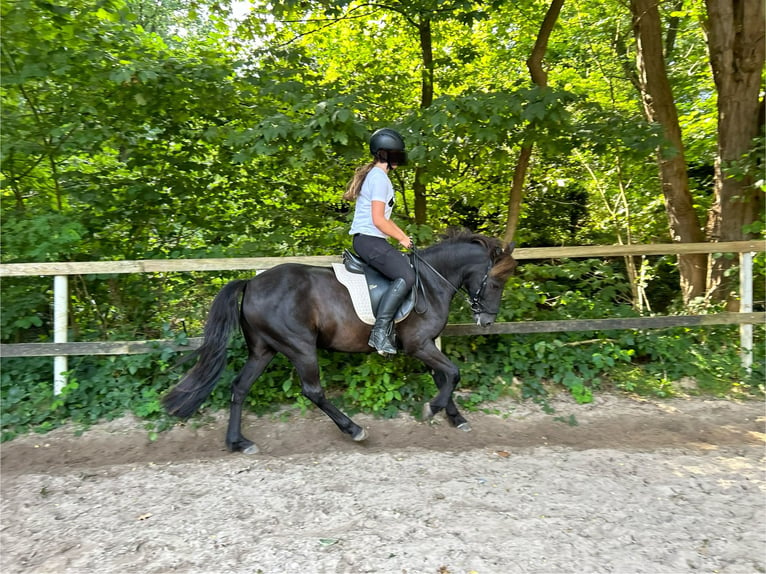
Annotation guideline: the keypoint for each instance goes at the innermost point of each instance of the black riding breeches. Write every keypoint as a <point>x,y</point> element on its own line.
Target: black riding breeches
<point>384,257</point>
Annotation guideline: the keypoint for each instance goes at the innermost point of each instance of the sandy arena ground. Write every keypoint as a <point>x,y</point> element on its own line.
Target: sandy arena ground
<point>637,486</point>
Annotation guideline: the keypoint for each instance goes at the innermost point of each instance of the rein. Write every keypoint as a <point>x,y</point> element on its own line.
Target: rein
<point>473,300</point>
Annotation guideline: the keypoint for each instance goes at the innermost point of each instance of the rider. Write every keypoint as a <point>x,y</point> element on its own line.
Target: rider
<point>372,226</point>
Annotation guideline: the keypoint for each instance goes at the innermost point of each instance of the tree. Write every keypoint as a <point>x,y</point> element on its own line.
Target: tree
<point>540,78</point>
<point>659,106</point>
<point>112,148</point>
<point>423,25</point>
<point>410,23</point>
<point>735,35</point>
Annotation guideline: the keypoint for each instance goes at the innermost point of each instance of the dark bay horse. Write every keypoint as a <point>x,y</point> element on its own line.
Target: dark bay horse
<point>294,309</point>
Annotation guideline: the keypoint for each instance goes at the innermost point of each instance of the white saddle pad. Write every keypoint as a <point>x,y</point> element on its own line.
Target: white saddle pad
<point>356,283</point>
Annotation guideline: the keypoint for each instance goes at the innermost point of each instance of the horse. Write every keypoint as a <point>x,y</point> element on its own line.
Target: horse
<point>294,309</point>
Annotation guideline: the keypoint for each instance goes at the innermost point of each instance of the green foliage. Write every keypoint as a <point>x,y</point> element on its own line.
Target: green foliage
<point>646,361</point>
<point>97,390</point>
<point>382,386</point>
<point>43,237</point>
<point>27,396</point>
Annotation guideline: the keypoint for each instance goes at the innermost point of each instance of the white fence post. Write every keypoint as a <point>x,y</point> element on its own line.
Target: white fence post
<point>60,324</point>
<point>746,306</point>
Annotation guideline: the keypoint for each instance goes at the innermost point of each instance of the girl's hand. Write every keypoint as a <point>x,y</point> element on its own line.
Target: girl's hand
<point>406,242</point>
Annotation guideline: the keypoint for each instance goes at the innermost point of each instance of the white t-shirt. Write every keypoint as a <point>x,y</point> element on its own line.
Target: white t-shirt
<point>376,187</point>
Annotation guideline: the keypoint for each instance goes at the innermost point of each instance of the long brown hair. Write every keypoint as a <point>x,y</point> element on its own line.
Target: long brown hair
<point>355,185</point>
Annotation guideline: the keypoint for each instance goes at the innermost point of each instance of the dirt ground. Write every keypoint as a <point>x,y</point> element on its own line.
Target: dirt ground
<point>636,486</point>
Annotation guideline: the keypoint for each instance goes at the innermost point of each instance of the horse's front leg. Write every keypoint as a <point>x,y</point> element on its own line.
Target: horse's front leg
<point>446,376</point>
<point>453,414</point>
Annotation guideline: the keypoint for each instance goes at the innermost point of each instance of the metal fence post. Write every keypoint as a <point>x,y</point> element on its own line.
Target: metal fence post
<point>746,306</point>
<point>60,324</point>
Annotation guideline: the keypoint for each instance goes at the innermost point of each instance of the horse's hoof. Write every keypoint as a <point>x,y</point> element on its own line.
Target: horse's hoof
<point>465,427</point>
<point>427,412</point>
<point>252,449</point>
<point>360,436</point>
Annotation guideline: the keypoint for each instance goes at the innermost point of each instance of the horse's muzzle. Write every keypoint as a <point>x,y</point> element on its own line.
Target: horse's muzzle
<point>484,319</point>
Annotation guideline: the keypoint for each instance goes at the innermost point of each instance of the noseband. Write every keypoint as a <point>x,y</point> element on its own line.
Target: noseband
<point>473,300</point>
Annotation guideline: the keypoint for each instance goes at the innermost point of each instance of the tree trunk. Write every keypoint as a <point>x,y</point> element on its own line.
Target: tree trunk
<point>517,193</point>
<point>659,107</point>
<point>673,21</point>
<point>735,34</point>
<point>539,77</point>
<point>426,99</point>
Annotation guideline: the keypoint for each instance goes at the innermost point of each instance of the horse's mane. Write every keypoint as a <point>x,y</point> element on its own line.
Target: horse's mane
<point>503,263</point>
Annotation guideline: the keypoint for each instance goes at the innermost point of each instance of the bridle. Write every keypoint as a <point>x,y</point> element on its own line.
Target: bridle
<point>474,301</point>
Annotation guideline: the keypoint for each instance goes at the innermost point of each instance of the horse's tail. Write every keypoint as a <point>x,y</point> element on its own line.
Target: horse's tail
<point>198,382</point>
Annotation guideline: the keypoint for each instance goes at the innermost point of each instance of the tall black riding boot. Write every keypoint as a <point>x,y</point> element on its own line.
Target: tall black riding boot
<point>380,338</point>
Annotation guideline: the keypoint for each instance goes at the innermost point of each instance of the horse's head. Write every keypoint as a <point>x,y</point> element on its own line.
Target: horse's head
<point>486,281</point>
<point>486,273</point>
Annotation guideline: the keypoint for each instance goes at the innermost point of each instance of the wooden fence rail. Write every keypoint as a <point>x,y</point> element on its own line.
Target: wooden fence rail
<point>60,349</point>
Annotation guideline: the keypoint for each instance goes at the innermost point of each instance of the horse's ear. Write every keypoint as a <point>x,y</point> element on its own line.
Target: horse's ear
<point>511,247</point>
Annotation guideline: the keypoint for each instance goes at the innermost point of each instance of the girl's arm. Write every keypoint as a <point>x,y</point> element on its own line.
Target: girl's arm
<point>387,226</point>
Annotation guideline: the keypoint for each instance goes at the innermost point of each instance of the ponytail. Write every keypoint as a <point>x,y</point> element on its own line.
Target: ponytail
<point>355,185</point>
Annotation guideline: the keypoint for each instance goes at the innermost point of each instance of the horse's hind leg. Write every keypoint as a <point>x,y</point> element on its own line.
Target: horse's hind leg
<point>240,387</point>
<point>308,370</point>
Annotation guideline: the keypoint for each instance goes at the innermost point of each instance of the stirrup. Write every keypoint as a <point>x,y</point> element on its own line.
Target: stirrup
<point>384,347</point>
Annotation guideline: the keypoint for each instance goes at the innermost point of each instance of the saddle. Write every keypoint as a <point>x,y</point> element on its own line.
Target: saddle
<point>367,286</point>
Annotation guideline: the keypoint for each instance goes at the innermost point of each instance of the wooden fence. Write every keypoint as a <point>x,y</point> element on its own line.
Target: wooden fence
<point>61,348</point>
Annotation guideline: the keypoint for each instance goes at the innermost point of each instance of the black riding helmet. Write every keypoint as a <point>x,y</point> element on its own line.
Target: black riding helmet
<point>387,145</point>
